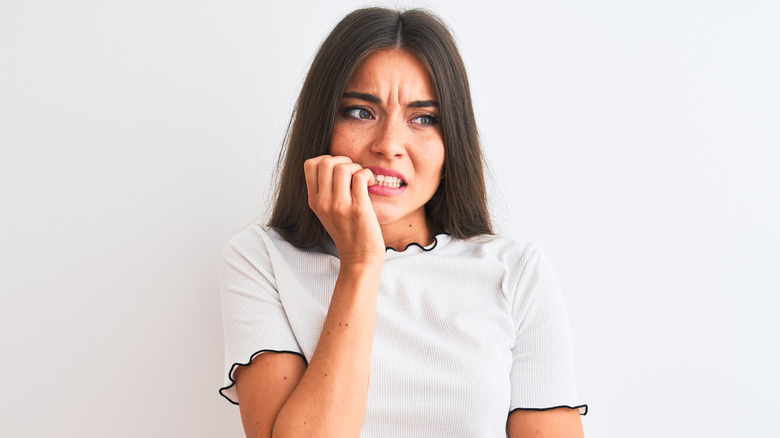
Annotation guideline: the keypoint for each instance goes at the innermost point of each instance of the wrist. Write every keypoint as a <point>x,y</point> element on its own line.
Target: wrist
<point>365,265</point>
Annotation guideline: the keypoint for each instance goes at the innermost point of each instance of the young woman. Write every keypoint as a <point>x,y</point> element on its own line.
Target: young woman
<point>377,301</point>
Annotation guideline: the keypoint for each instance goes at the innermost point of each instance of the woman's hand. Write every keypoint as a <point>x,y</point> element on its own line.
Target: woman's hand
<point>338,195</point>
<point>280,394</point>
<point>328,396</point>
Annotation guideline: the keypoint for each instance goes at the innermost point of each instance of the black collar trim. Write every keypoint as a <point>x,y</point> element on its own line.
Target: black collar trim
<point>435,242</point>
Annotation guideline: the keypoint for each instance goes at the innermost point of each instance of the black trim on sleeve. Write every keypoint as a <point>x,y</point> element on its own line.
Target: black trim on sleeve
<point>582,408</point>
<point>254,355</point>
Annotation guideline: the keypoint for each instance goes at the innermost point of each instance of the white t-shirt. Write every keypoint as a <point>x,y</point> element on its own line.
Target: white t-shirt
<point>466,330</point>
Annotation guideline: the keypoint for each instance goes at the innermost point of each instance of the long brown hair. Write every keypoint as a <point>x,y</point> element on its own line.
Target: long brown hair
<point>459,205</point>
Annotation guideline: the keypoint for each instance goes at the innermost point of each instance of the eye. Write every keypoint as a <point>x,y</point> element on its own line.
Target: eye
<point>357,112</point>
<point>426,119</point>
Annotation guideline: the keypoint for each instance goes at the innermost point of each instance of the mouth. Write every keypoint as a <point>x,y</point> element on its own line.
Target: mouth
<point>387,177</point>
<point>389,181</point>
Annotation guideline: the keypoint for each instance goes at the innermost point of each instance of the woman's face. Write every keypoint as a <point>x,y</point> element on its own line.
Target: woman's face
<point>388,121</point>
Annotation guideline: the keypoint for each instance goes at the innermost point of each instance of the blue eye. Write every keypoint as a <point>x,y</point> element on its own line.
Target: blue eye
<point>427,119</point>
<point>358,113</point>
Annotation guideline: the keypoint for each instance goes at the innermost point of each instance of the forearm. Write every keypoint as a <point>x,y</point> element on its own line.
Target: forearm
<point>330,399</point>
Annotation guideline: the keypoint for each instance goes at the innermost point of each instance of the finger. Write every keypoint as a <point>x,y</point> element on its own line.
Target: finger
<point>310,171</point>
<point>325,173</point>
<point>372,178</point>
<point>361,181</point>
<point>342,180</point>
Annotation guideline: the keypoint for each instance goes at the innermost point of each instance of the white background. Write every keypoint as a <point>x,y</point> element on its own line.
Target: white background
<point>638,142</point>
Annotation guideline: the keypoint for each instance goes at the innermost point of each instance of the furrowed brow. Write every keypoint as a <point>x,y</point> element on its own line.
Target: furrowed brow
<point>424,104</point>
<point>362,96</point>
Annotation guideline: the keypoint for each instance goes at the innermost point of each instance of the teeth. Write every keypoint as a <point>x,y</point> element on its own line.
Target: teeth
<point>387,181</point>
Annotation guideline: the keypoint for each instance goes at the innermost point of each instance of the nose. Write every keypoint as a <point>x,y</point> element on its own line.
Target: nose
<point>388,140</point>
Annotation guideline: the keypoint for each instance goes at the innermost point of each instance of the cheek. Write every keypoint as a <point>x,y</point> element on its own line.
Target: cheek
<point>342,142</point>
<point>336,141</point>
<point>434,158</point>
<point>429,164</point>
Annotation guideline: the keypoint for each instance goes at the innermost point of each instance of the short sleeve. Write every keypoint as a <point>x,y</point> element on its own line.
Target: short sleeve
<point>542,375</point>
<point>252,314</point>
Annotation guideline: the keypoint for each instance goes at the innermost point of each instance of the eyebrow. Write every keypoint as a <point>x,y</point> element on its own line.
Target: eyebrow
<point>362,96</point>
<point>423,104</point>
<point>373,99</point>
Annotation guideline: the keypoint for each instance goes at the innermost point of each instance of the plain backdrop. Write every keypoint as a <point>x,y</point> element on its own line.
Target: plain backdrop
<point>637,141</point>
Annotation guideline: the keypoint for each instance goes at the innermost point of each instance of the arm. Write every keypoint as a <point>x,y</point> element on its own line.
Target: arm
<point>277,392</point>
<point>263,386</point>
<point>553,423</point>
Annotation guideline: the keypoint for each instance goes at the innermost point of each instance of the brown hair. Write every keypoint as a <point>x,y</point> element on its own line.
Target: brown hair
<point>459,205</point>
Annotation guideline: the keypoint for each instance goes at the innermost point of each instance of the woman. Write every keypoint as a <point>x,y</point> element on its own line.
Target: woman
<point>377,302</point>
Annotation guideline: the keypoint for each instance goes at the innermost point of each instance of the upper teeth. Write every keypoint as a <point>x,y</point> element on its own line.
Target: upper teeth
<point>388,181</point>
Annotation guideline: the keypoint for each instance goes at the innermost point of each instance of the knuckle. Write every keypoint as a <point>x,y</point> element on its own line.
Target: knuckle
<point>343,168</point>
<point>322,205</point>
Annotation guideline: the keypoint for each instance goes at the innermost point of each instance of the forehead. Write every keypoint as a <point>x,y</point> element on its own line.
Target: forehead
<point>393,70</point>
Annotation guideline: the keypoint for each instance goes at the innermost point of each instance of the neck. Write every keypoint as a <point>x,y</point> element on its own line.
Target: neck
<point>399,235</point>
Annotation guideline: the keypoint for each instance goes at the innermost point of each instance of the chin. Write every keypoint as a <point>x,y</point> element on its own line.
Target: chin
<point>385,218</point>
<point>388,214</point>
<point>385,214</point>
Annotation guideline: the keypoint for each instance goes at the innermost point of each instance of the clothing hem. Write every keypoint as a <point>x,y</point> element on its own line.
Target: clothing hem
<point>251,358</point>
<point>582,408</point>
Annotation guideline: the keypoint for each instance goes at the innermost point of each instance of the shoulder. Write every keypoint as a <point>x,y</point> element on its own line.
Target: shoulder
<point>257,240</point>
<point>516,253</point>
<point>253,246</point>
<point>253,236</point>
<point>525,269</point>
<point>262,251</point>
<point>248,244</point>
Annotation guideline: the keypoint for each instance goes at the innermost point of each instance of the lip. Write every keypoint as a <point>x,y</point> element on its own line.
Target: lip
<point>387,191</point>
<point>387,172</point>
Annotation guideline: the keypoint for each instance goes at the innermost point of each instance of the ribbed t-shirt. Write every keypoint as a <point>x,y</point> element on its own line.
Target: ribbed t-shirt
<point>467,330</point>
